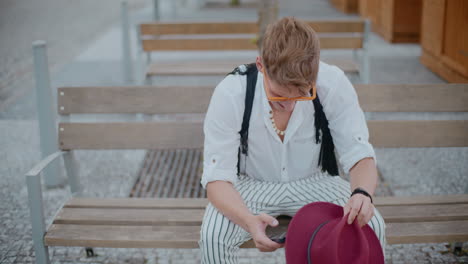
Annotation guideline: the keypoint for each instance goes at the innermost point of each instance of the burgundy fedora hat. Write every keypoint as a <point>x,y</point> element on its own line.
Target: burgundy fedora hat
<point>319,233</point>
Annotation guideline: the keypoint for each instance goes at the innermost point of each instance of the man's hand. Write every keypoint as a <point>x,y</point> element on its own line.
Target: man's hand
<point>256,227</point>
<point>359,206</point>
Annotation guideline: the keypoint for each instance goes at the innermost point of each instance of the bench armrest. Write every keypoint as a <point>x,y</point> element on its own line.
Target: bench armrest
<point>33,184</point>
<point>39,167</point>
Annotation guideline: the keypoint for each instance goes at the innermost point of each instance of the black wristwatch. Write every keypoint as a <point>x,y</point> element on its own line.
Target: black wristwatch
<point>362,191</point>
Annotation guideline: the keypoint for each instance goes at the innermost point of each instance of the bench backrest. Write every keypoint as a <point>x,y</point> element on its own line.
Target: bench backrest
<point>183,134</point>
<point>176,36</point>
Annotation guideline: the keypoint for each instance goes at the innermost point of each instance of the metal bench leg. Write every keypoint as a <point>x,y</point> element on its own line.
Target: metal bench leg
<point>149,80</point>
<point>90,252</point>
<point>148,77</point>
<point>457,248</point>
<point>37,219</point>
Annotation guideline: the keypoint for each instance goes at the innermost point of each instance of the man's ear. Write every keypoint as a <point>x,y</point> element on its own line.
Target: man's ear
<point>259,64</point>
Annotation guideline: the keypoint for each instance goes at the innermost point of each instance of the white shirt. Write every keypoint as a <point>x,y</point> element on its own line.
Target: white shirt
<point>269,158</point>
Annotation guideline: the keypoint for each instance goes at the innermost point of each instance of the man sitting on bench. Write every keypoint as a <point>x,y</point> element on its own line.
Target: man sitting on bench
<point>270,136</point>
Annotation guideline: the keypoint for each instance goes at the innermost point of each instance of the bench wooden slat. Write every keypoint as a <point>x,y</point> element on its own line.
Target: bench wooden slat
<point>214,44</point>
<point>203,44</point>
<point>144,135</point>
<point>183,217</point>
<point>421,200</point>
<point>411,134</point>
<point>187,236</point>
<point>138,203</point>
<point>200,203</point>
<point>343,26</point>
<point>184,28</point>
<point>427,232</point>
<point>191,68</point>
<point>140,99</point>
<point>123,236</point>
<point>341,43</point>
<point>176,135</point>
<point>413,97</point>
<point>424,213</point>
<point>134,99</point>
<point>348,66</point>
<point>224,67</point>
<point>120,216</point>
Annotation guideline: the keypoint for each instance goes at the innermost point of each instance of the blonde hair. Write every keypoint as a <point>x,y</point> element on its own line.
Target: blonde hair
<point>290,53</point>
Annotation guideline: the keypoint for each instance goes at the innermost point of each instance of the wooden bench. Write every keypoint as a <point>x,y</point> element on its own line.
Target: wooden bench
<point>175,223</point>
<point>158,36</point>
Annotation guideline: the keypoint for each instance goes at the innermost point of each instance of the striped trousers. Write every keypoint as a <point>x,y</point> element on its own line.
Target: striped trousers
<point>220,238</point>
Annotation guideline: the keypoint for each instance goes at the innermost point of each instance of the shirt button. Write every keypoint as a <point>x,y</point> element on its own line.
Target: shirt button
<point>214,161</point>
<point>284,168</point>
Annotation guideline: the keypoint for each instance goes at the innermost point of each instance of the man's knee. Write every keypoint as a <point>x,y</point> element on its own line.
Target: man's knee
<point>223,233</point>
<point>377,223</point>
<point>220,238</point>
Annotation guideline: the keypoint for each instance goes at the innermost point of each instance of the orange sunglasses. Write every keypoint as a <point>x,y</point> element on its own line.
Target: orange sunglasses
<point>283,99</point>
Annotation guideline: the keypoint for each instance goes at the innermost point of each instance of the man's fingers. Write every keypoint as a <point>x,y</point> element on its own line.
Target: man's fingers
<point>369,214</point>
<point>267,242</point>
<point>264,248</point>
<point>355,208</point>
<point>363,213</point>
<point>268,219</point>
<point>346,209</point>
<point>264,241</point>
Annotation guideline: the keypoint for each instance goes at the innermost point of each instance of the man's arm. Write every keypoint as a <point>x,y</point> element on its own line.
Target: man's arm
<point>364,174</point>
<point>228,201</point>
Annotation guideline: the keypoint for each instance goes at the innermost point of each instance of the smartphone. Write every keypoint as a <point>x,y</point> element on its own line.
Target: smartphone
<point>280,238</point>
<point>278,233</point>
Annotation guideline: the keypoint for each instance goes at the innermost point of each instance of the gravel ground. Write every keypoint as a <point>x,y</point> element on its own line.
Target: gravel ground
<point>67,26</point>
<point>81,58</point>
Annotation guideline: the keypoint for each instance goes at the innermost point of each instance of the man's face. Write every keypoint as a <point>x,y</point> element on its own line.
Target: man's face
<point>274,90</point>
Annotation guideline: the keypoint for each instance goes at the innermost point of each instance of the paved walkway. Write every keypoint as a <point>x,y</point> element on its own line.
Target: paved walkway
<point>91,56</point>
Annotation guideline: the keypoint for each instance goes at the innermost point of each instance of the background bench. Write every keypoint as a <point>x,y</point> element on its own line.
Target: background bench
<point>216,36</point>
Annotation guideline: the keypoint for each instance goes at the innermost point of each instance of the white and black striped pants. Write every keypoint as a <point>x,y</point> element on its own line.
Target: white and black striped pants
<point>220,238</point>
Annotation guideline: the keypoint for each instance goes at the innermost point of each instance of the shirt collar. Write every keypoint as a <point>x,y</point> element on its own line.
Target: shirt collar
<point>297,116</point>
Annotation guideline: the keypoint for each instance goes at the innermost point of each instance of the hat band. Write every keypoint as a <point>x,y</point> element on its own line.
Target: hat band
<point>309,261</point>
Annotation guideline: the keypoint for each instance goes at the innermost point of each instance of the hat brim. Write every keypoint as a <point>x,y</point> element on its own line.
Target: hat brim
<point>307,219</point>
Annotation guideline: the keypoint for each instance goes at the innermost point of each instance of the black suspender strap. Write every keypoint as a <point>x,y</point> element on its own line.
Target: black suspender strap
<point>327,159</point>
<point>252,73</point>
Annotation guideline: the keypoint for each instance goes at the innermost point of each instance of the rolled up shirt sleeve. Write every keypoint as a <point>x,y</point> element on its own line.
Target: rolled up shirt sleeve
<point>347,122</point>
<point>221,129</point>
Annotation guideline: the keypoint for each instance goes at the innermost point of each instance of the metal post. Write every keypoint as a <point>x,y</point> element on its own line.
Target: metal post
<point>148,78</point>
<point>156,10</point>
<point>72,173</point>
<point>365,74</point>
<point>174,8</point>
<point>141,66</point>
<point>46,115</point>
<point>33,184</point>
<point>126,55</point>
<point>200,4</point>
